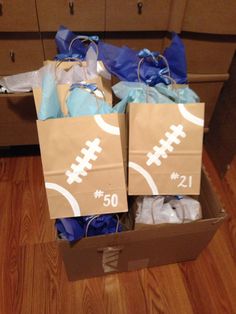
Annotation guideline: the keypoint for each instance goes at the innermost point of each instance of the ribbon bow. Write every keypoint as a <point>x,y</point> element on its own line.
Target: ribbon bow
<point>91,87</point>
<point>162,69</point>
<point>146,53</point>
<point>69,56</point>
<point>94,38</point>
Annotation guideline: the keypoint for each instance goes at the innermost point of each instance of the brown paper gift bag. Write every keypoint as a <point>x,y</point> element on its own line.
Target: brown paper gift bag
<point>83,161</point>
<point>83,165</point>
<point>165,148</point>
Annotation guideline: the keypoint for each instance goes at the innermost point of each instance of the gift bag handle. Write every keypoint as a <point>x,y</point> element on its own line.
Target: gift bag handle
<point>58,62</point>
<point>91,39</point>
<point>155,58</point>
<point>96,216</point>
<point>80,63</point>
<point>160,56</point>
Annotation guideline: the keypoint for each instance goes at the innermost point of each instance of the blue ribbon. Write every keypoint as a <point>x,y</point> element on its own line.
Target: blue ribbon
<point>94,38</point>
<point>146,53</point>
<point>161,71</point>
<point>68,56</point>
<point>91,87</point>
<point>179,197</point>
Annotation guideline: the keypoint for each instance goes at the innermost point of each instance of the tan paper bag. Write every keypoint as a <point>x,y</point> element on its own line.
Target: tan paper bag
<point>83,161</point>
<point>165,148</point>
<point>83,165</point>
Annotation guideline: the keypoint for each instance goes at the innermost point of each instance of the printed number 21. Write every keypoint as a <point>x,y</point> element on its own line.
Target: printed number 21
<point>110,200</point>
<point>185,181</point>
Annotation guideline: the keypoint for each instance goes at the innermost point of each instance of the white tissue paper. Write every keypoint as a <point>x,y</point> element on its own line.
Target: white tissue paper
<point>160,209</point>
<point>26,82</point>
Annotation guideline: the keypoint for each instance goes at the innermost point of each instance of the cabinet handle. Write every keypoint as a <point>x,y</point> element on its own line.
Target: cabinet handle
<point>71,7</point>
<point>140,7</point>
<point>1,8</point>
<point>12,55</point>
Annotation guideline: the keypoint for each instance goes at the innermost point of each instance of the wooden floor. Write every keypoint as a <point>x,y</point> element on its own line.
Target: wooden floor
<point>33,279</point>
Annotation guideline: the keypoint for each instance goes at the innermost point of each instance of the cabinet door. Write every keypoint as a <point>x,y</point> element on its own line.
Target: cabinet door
<point>210,16</point>
<point>133,15</point>
<point>18,16</point>
<point>77,15</point>
<point>207,54</point>
<point>221,140</point>
<point>50,48</point>
<point>20,55</point>
<point>153,44</point>
<point>208,88</point>
<point>204,57</point>
<point>17,123</point>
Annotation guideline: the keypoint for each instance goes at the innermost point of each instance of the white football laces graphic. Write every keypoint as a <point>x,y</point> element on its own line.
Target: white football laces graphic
<point>189,116</point>
<point>146,176</point>
<point>166,145</point>
<point>70,198</point>
<point>106,126</point>
<point>84,163</point>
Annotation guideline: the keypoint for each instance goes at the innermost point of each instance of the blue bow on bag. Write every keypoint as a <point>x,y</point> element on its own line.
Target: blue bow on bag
<point>146,53</point>
<point>69,56</point>
<point>91,87</point>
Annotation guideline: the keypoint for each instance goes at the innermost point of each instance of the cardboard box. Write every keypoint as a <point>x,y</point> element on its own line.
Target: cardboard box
<point>131,250</point>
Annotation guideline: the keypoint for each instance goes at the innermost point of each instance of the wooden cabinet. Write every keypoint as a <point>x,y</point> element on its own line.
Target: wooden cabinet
<point>17,123</point>
<point>133,15</point>
<point>18,16</point>
<point>78,15</point>
<point>20,55</point>
<point>221,140</point>
<point>154,44</point>
<point>50,49</point>
<point>207,54</point>
<point>207,28</point>
<point>210,16</point>
<point>208,88</point>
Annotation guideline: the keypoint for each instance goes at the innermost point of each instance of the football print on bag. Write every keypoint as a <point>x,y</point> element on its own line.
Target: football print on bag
<point>83,165</point>
<point>165,154</point>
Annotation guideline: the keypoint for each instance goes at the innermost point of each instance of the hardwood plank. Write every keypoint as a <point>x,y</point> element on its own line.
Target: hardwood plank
<point>164,290</point>
<point>225,189</point>
<point>213,271</point>
<point>27,209</point>
<point>230,176</point>
<point>113,298</point>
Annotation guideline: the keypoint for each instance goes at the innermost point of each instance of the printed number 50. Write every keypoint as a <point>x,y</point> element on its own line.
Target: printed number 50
<point>110,200</point>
